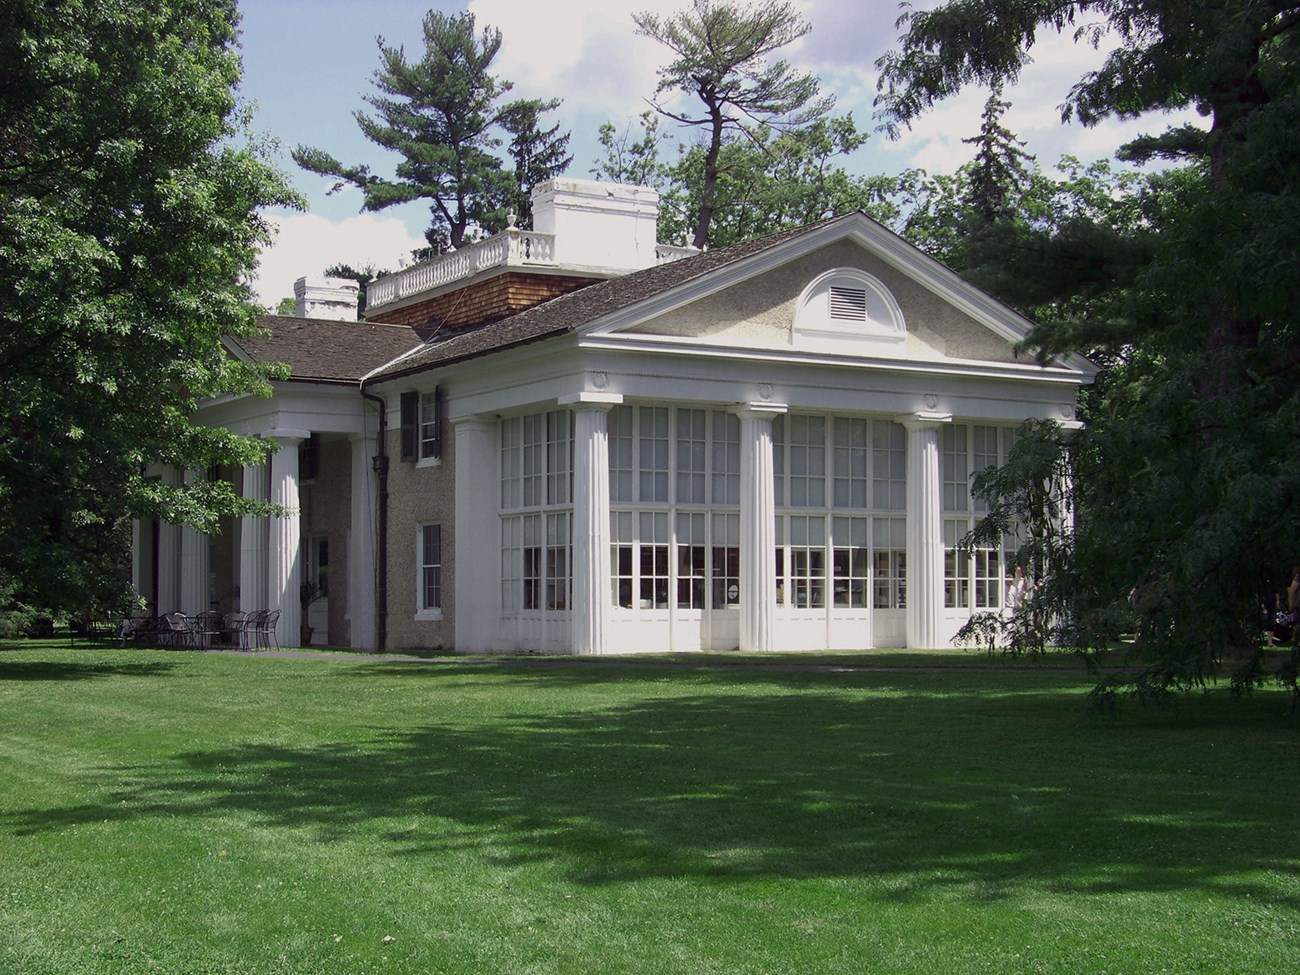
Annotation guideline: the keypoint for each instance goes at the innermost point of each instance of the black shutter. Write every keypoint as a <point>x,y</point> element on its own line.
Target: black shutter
<point>410,426</point>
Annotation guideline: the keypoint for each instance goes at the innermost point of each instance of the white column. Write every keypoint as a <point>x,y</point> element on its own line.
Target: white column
<point>477,540</point>
<point>757,525</point>
<point>252,544</point>
<point>361,546</point>
<point>924,529</point>
<point>194,563</point>
<point>284,568</point>
<point>591,570</point>
<point>169,559</point>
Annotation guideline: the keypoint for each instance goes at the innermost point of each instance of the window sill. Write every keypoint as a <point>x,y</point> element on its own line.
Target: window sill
<point>428,616</point>
<point>428,462</point>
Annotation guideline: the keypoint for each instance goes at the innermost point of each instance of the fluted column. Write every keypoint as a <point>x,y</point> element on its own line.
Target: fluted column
<point>757,525</point>
<point>591,570</point>
<point>194,562</point>
<point>361,546</point>
<point>252,544</point>
<point>284,562</point>
<point>924,529</point>
<point>477,540</point>
<point>169,559</point>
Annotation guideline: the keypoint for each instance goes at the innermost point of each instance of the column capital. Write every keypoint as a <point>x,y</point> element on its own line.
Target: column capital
<point>591,400</point>
<point>288,438</point>
<point>760,410</point>
<point>923,420</point>
<point>471,422</point>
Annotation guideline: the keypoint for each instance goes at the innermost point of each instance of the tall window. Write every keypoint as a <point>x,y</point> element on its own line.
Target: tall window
<point>429,558</point>
<point>652,453</point>
<point>430,442</point>
<point>850,562</point>
<point>536,526</point>
<point>850,460</point>
<point>692,449</point>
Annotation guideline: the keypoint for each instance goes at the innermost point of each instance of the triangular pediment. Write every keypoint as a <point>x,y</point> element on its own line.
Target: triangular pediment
<point>852,289</point>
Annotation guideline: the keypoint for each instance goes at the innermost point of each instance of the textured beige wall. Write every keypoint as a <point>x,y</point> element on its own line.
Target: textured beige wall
<point>327,509</point>
<point>417,495</point>
<point>761,311</point>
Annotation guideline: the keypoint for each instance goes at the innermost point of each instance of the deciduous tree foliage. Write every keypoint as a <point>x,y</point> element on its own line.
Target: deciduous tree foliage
<point>1186,476</point>
<point>128,226</point>
<point>722,52</point>
<point>445,117</point>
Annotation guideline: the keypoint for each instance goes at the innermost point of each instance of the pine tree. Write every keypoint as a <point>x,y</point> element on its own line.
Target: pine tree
<point>445,117</point>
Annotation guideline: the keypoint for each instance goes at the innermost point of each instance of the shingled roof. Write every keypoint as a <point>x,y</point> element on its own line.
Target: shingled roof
<point>569,312</point>
<point>325,350</point>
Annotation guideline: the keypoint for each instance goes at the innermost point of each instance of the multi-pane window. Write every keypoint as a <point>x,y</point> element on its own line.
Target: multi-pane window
<point>956,469</point>
<point>559,457</point>
<point>956,566</point>
<point>429,441</point>
<point>726,561</point>
<point>988,578</point>
<point>889,465</point>
<point>622,544</point>
<point>652,452</point>
<point>534,454</point>
<point>536,545</point>
<point>532,561</point>
<point>806,460</point>
<point>430,561</point>
<point>691,547</point>
<point>726,458</point>
<point>692,451</point>
<point>807,561</point>
<point>889,563</point>
<point>850,462</point>
<point>512,535</point>
<point>621,466</point>
<point>558,573</point>
<point>654,559</point>
<point>984,454</point>
<point>850,565</point>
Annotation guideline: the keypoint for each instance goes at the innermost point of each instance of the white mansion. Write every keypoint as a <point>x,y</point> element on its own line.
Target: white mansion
<point>575,439</point>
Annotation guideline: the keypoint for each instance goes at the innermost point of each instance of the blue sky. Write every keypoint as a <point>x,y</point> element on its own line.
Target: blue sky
<point>308,63</point>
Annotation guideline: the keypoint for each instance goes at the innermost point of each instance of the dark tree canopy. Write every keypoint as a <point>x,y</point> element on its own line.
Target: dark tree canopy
<point>721,59</point>
<point>1185,477</point>
<point>444,116</point>
<point>128,228</point>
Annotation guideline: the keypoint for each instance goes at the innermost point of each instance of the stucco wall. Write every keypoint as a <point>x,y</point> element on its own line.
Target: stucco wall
<point>761,310</point>
<point>419,495</point>
<point>327,509</point>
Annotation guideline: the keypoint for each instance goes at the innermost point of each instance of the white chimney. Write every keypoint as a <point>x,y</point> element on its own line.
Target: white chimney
<point>598,225</point>
<point>322,297</point>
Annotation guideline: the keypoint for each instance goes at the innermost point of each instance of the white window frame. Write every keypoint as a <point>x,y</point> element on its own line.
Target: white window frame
<point>422,565</point>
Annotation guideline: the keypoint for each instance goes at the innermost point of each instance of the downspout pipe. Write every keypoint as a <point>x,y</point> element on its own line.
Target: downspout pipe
<point>381,528</point>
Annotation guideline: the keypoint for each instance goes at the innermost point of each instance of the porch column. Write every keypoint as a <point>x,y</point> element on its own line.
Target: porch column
<point>591,571</point>
<point>757,525</point>
<point>252,544</point>
<point>194,562</point>
<point>924,529</point>
<point>138,556</point>
<point>476,579</point>
<point>284,569</point>
<point>169,559</point>
<point>361,546</point>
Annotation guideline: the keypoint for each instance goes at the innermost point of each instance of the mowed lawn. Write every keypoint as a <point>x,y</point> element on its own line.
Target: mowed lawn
<point>177,812</point>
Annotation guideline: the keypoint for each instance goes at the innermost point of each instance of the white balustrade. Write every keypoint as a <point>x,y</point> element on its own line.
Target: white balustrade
<point>508,248</point>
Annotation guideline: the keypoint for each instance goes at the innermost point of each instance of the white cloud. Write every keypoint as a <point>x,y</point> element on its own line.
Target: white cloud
<point>307,244</point>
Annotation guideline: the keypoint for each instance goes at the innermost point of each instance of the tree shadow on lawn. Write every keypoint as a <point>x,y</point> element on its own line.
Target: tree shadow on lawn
<point>905,790</point>
<point>60,671</point>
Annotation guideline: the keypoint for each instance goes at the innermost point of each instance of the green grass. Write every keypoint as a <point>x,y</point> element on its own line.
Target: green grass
<point>202,813</point>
